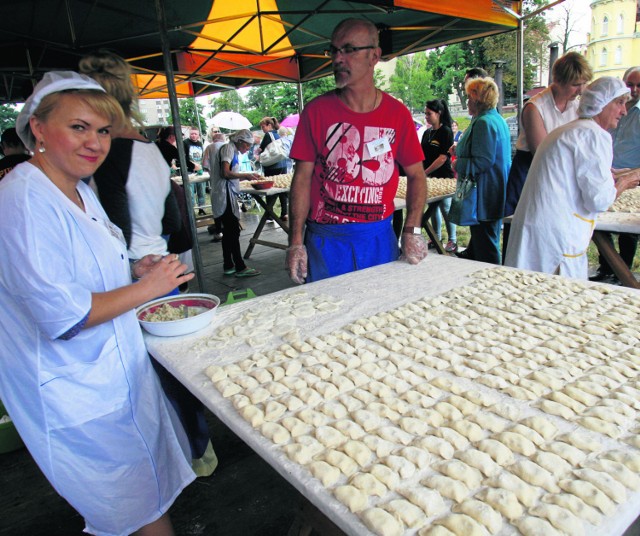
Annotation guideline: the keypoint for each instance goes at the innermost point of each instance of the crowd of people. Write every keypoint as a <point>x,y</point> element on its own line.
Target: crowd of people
<point>96,227</point>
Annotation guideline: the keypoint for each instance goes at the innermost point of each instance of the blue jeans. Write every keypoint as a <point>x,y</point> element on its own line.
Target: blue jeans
<point>436,220</point>
<point>200,190</point>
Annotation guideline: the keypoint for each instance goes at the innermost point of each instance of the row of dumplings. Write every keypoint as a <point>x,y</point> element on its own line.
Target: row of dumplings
<point>269,324</point>
<point>435,187</point>
<point>354,456</point>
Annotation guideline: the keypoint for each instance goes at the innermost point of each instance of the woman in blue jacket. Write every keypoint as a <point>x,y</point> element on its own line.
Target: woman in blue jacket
<point>484,153</point>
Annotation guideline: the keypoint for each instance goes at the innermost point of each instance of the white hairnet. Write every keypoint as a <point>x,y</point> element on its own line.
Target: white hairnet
<point>599,93</point>
<point>242,135</point>
<point>51,82</point>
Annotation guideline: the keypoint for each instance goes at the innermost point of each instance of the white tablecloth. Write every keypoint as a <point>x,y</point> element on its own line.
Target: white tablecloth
<point>365,293</point>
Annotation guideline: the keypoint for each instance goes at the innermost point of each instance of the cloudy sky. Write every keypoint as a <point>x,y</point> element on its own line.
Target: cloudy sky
<point>580,13</point>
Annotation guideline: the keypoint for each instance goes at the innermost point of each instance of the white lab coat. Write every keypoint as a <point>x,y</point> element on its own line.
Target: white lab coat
<point>568,184</point>
<point>90,409</point>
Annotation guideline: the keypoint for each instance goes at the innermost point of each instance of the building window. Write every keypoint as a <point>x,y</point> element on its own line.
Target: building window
<point>618,56</point>
<point>620,23</point>
<point>605,25</point>
<point>603,57</point>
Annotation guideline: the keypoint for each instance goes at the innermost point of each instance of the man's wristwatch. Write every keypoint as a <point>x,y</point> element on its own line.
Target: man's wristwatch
<point>412,230</point>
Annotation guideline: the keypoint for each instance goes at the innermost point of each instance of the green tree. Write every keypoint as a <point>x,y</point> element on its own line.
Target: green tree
<point>445,67</point>
<point>8,116</point>
<point>227,101</point>
<point>411,81</point>
<point>191,114</point>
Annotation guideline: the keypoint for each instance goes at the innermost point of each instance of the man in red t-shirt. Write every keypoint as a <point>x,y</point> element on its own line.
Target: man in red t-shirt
<point>347,147</point>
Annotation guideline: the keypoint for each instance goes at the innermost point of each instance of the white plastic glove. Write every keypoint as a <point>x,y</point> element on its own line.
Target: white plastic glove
<point>296,263</point>
<point>414,248</point>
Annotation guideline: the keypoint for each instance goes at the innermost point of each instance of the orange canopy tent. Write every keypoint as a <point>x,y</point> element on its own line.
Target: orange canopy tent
<point>222,44</point>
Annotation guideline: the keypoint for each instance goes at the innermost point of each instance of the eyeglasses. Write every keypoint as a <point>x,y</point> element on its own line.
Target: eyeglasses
<point>346,50</point>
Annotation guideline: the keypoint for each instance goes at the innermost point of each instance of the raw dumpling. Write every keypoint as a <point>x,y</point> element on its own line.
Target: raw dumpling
<point>500,453</point>
<point>358,451</point>
<point>408,513</point>
<point>436,445</point>
<point>460,471</point>
<point>275,432</point>
<point>428,500</point>
<point>604,482</point>
<point>503,500</point>
<point>339,460</point>
<point>462,525</point>
<point>354,499</point>
<point>400,465</point>
<point>516,443</point>
<point>534,474</point>
<point>559,517</point>
<point>535,526</point>
<point>589,494</point>
<point>526,493</point>
<point>481,512</point>
<point>327,474</point>
<point>447,487</point>
<point>480,460</point>
<point>574,504</point>
<point>381,522</point>
<point>369,484</point>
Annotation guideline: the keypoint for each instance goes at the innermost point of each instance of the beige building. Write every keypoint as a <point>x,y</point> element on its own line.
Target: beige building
<point>155,111</point>
<point>614,42</point>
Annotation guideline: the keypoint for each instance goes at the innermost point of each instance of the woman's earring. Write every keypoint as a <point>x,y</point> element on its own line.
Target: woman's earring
<point>41,149</point>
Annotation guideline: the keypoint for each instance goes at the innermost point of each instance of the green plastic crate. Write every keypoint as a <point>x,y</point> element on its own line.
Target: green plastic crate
<point>239,295</point>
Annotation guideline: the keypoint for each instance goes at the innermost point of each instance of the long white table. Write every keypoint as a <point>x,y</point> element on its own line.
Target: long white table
<point>616,222</point>
<point>364,293</point>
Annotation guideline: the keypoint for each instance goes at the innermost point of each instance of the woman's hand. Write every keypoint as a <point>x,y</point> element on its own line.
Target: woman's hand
<point>625,179</point>
<point>162,274</point>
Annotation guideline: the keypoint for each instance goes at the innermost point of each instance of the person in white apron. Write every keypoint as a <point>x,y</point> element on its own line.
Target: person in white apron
<point>75,375</point>
<point>569,182</point>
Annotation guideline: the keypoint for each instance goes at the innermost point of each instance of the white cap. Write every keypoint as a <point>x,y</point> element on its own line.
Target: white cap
<point>52,82</point>
<point>599,93</point>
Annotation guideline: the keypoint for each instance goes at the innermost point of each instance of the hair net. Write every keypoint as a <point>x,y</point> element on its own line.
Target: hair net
<point>242,135</point>
<point>599,93</point>
<point>51,82</point>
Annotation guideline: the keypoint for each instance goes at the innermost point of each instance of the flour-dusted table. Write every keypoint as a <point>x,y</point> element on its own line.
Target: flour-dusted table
<point>514,342</point>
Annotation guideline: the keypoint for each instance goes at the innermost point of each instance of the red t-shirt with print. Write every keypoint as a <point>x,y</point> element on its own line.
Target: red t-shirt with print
<point>356,155</point>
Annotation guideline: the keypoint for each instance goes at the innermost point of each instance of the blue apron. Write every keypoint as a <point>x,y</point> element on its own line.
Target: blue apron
<point>336,249</point>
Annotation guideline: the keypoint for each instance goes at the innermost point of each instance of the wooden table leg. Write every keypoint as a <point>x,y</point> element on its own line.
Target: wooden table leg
<point>619,267</point>
<point>267,203</point>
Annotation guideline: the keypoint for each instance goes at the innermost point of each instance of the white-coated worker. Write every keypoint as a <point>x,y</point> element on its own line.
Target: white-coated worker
<point>75,377</point>
<point>566,186</point>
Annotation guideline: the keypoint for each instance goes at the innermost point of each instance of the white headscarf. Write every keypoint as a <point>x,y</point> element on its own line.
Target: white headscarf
<point>598,94</point>
<point>52,82</point>
<point>242,135</point>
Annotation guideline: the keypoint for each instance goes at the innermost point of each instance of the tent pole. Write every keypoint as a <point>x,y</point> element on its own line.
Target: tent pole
<point>300,102</point>
<point>175,112</point>
<point>520,61</point>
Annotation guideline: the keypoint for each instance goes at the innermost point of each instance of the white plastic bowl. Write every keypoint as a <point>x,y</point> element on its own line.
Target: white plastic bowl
<point>202,309</point>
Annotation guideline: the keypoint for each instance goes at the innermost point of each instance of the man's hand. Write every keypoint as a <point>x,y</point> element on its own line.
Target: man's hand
<point>414,248</point>
<point>296,263</point>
